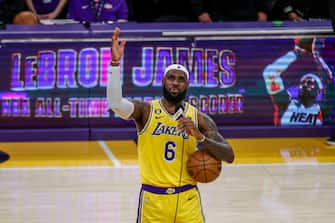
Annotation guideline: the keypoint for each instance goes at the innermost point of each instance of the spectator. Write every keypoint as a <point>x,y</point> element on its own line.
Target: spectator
<point>237,10</point>
<point>297,10</point>
<point>170,11</point>
<point>98,10</point>
<point>50,9</point>
<point>9,9</point>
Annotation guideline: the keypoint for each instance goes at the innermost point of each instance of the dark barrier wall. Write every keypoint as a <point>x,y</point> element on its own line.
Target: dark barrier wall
<point>251,80</point>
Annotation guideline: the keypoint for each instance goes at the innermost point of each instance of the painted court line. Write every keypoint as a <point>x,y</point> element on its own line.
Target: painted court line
<point>137,167</point>
<point>109,153</point>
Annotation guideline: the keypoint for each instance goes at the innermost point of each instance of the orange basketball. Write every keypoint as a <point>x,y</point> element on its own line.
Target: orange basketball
<point>203,167</point>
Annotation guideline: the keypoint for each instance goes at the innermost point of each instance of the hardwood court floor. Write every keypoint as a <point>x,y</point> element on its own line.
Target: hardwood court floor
<point>279,180</point>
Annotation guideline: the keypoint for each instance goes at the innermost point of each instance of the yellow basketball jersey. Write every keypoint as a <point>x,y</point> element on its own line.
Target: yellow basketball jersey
<point>163,151</point>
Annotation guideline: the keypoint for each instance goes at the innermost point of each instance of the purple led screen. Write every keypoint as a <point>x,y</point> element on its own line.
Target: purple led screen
<point>237,82</point>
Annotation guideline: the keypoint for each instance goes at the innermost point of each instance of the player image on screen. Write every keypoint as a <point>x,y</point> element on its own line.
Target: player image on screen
<point>313,76</point>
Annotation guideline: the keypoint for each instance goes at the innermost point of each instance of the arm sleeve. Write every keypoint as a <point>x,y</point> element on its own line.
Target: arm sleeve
<point>121,106</point>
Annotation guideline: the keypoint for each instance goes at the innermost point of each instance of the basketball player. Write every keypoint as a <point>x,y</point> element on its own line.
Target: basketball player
<point>306,63</point>
<point>165,141</point>
<point>48,9</point>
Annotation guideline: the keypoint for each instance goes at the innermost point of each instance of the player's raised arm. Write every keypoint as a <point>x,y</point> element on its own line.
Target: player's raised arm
<point>137,110</point>
<point>272,73</point>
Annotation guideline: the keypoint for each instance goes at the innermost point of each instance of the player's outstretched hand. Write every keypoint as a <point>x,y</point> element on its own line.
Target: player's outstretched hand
<point>117,49</point>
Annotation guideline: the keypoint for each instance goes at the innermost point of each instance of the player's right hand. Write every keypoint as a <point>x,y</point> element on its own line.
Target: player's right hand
<point>117,49</point>
<point>186,124</point>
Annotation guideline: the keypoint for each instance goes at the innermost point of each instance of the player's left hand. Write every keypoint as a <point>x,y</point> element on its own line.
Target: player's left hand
<point>186,124</point>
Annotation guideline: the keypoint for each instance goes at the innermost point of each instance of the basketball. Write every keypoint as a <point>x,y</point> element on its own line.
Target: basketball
<point>26,18</point>
<point>203,167</point>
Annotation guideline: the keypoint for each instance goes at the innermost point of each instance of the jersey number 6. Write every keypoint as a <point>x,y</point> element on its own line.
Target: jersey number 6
<point>170,153</point>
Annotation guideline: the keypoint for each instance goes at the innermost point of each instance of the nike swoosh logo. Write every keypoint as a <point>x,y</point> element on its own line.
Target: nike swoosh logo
<point>84,7</point>
<point>158,117</point>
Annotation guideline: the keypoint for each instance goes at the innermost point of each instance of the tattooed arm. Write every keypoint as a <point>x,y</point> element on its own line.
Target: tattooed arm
<point>208,137</point>
<point>214,141</point>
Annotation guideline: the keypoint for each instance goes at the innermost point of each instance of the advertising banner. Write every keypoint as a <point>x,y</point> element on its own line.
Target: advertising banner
<point>237,82</point>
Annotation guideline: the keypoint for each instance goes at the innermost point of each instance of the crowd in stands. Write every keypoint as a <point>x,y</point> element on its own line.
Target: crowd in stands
<point>166,10</point>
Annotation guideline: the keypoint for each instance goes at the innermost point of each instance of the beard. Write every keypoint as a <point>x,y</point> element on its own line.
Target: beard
<point>307,95</point>
<point>174,99</point>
